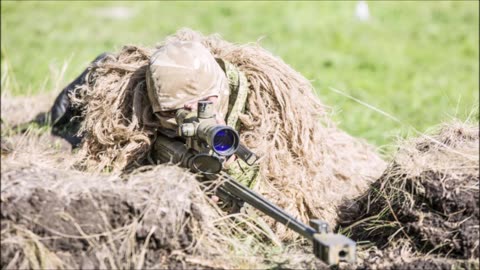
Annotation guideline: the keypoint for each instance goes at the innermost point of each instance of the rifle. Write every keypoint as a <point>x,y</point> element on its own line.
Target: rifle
<point>202,145</point>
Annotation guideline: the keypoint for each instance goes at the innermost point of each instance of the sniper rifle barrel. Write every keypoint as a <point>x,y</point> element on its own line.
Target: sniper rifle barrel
<point>256,200</point>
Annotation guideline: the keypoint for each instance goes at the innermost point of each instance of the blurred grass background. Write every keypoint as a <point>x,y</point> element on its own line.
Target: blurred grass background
<point>417,61</point>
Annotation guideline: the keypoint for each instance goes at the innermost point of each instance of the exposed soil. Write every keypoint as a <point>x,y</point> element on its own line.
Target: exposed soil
<point>426,203</point>
<point>417,264</point>
<point>40,212</point>
<point>51,220</point>
<point>49,216</point>
<point>444,218</point>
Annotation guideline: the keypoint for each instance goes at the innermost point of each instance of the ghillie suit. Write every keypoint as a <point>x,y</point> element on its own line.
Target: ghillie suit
<point>307,164</point>
<point>426,204</point>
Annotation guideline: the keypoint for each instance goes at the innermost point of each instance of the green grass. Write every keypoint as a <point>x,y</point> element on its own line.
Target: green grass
<point>417,61</point>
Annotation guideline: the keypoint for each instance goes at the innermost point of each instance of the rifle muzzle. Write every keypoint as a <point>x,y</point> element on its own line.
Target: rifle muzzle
<point>330,247</point>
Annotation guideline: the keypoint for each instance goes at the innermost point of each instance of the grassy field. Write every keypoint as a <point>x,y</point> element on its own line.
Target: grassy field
<point>416,61</point>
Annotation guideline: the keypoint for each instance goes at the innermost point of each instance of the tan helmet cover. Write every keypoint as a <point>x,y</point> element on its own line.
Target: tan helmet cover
<point>182,72</point>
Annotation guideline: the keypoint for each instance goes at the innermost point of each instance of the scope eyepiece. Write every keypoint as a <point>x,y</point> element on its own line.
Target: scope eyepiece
<point>222,139</point>
<point>225,141</point>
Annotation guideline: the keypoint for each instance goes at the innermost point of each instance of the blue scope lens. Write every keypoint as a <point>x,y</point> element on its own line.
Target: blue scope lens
<point>225,142</point>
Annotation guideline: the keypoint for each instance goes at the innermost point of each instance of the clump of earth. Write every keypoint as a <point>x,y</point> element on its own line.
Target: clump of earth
<point>423,212</point>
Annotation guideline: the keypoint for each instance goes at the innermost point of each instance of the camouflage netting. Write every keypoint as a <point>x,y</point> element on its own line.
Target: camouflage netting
<point>426,203</point>
<point>308,165</point>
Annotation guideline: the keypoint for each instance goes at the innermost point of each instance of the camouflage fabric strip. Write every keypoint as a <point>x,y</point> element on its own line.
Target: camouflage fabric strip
<point>238,94</point>
<point>247,175</point>
<point>239,87</point>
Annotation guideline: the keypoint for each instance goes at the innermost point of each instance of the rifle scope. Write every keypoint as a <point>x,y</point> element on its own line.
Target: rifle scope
<point>222,139</point>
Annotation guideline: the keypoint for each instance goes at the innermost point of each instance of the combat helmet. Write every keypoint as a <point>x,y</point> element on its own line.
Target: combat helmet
<point>181,72</point>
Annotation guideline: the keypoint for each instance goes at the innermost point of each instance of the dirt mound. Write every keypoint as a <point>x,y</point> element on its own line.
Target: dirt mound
<point>428,198</point>
<point>72,220</point>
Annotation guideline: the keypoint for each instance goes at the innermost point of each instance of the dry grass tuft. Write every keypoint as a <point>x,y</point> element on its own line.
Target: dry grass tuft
<point>426,202</point>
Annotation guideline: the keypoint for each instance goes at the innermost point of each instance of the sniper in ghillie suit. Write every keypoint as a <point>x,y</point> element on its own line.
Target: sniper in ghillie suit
<point>201,153</point>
